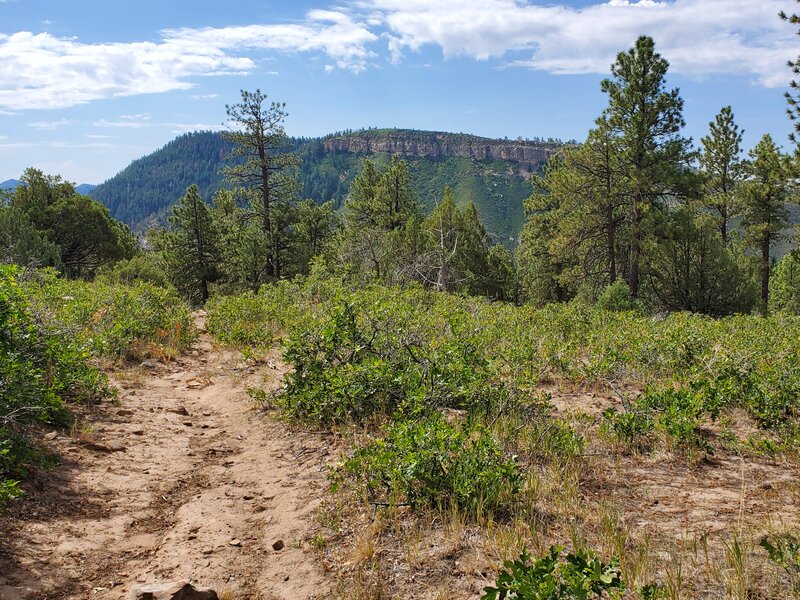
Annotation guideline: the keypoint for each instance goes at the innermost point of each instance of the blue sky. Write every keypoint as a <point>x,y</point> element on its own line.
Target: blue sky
<point>86,86</point>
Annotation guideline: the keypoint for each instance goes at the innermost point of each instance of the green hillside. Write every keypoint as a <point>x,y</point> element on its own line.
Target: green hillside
<point>143,191</point>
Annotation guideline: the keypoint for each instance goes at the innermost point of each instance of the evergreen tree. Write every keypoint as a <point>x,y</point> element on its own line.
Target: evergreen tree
<point>763,198</point>
<point>693,269</point>
<point>21,243</point>
<point>315,225</point>
<point>190,248</point>
<point>264,168</point>
<point>375,235</point>
<point>539,267</point>
<point>722,167</point>
<point>793,95</point>
<point>646,119</point>
<point>784,285</point>
<point>589,234</point>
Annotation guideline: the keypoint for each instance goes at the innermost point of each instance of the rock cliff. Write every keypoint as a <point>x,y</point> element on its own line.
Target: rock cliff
<point>528,154</point>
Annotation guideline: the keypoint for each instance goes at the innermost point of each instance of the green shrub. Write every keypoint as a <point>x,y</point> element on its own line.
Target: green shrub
<point>114,320</point>
<point>432,463</point>
<point>240,321</point>
<point>784,551</point>
<point>576,576</point>
<point>41,367</point>
<point>141,268</point>
<point>379,354</point>
<point>617,297</point>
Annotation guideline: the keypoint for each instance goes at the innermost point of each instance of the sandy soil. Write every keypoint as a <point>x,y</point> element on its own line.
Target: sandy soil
<point>181,479</point>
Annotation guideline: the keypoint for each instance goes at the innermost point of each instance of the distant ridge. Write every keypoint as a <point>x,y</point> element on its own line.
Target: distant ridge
<point>9,184</point>
<point>12,184</point>
<point>494,174</point>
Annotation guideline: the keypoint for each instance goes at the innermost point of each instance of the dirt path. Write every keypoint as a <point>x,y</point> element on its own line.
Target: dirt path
<point>152,492</point>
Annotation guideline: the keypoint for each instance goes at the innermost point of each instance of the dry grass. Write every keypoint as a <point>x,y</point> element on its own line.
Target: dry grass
<point>691,526</point>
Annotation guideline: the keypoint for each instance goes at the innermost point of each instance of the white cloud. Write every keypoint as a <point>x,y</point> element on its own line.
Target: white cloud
<point>49,125</point>
<point>122,123</point>
<point>203,96</point>
<point>186,127</point>
<point>41,71</point>
<point>138,117</point>
<point>94,136</point>
<point>699,37</point>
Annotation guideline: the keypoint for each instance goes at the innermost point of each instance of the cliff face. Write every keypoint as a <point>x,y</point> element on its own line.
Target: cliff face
<point>528,155</point>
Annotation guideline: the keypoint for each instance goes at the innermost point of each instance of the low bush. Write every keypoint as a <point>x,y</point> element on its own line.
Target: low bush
<point>379,354</point>
<point>433,463</point>
<point>576,576</point>
<point>113,320</point>
<point>41,367</point>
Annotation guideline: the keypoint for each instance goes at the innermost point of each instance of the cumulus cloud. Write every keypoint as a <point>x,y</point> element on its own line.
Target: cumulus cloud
<point>42,71</point>
<point>699,37</point>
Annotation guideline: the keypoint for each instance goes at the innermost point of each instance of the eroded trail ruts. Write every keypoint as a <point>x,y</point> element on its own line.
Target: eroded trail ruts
<point>156,493</point>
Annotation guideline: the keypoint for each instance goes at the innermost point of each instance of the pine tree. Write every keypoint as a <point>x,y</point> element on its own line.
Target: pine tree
<point>190,247</point>
<point>722,167</point>
<point>763,198</point>
<point>263,168</point>
<point>793,95</point>
<point>646,119</point>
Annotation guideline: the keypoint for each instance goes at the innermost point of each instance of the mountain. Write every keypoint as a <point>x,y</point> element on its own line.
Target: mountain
<point>85,188</point>
<point>494,174</point>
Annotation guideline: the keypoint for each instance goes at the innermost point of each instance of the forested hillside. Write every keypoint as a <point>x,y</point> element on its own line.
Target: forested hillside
<point>493,174</point>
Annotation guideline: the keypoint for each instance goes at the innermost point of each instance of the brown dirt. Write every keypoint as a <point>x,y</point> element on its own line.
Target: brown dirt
<point>201,497</point>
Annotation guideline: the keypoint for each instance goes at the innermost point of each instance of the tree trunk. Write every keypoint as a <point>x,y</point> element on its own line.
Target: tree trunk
<point>765,244</point>
<point>267,220</point>
<point>636,250</point>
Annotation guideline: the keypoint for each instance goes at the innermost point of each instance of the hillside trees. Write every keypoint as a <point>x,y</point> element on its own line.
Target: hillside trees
<point>585,195</point>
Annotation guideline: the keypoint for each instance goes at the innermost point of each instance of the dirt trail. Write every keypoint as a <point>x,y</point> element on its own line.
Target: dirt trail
<point>150,494</point>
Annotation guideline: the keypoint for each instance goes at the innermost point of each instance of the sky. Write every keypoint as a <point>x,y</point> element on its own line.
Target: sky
<point>87,86</point>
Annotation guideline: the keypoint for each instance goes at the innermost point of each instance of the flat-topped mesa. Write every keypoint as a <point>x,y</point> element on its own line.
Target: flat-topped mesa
<point>434,145</point>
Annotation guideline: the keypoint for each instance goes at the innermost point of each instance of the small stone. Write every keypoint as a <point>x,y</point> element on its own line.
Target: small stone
<point>179,410</point>
<point>51,436</point>
<point>124,412</point>
<point>138,431</point>
<point>278,546</point>
<point>117,447</point>
<point>235,542</point>
<point>186,423</point>
<point>207,550</point>
<point>148,364</point>
<point>174,590</point>
<point>195,353</point>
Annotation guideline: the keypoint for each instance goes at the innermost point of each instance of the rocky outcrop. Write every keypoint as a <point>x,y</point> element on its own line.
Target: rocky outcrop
<point>527,153</point>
